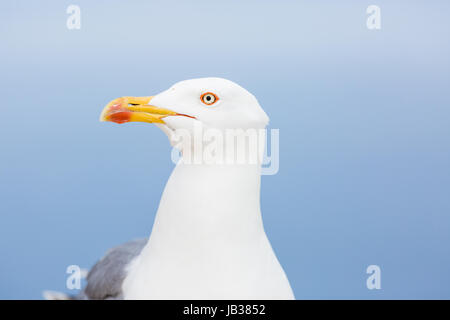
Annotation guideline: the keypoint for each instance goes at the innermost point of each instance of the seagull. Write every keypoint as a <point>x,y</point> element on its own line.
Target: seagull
<point>208,239</point>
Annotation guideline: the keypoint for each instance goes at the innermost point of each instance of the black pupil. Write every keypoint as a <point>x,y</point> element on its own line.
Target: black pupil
<point>208,98</point>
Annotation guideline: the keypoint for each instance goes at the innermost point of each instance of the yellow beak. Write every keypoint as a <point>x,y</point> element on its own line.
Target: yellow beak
<point>134,109</point>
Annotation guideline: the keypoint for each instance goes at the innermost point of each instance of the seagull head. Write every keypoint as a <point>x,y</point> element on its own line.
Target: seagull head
<point>212,102</point>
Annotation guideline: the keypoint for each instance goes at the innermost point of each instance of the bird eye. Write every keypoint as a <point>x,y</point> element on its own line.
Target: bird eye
<point>209,98</point>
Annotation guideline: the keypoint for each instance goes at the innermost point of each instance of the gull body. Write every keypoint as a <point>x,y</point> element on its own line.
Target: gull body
<point>208,239</point>
<point>210,243</point>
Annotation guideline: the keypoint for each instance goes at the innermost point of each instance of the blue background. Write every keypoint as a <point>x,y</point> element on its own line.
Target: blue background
<point>364,119</point>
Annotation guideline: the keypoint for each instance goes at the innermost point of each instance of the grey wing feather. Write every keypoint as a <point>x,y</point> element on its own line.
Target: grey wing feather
<point>104,280</point>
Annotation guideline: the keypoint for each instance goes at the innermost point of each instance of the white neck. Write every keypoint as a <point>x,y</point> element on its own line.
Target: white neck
<point>208,240</point>
<point>213,202</point>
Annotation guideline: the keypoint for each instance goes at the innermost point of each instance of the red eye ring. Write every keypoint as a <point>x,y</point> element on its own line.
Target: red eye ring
<point>209,98</point>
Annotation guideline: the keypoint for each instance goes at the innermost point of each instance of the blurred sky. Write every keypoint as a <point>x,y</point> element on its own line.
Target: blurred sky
<point>364,119</point>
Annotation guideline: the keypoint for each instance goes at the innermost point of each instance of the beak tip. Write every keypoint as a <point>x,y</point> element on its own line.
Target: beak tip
<point>133,109</point>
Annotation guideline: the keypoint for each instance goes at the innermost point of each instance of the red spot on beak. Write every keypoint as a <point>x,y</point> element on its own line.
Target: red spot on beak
<point>120,116</point>
<point>117,113</point>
